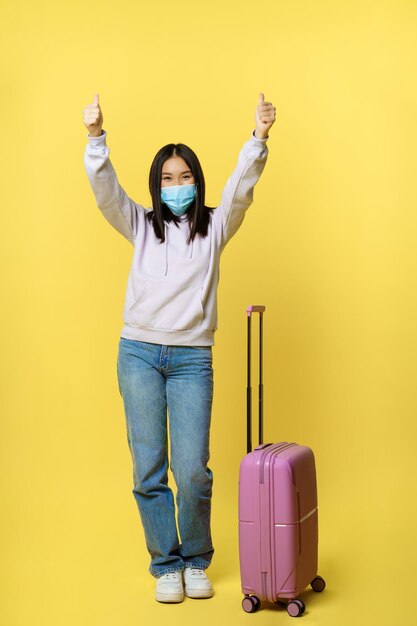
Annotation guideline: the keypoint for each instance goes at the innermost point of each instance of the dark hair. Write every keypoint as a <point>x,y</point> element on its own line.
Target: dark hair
<point>198,214</point>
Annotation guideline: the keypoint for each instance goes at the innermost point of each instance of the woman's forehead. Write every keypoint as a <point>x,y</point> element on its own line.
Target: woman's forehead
<point>175,164</point>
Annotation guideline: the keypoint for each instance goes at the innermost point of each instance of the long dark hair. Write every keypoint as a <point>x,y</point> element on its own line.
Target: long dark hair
<point>198,214</point>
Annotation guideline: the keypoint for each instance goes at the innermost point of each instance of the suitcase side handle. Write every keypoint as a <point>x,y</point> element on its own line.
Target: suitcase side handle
<point>254,309</point>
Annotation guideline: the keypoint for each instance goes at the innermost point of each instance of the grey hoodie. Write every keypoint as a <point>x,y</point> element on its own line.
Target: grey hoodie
<point>171,296</point>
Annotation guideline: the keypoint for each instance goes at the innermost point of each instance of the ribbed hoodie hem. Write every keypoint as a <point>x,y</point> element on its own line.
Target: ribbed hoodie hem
<point>195,337</point>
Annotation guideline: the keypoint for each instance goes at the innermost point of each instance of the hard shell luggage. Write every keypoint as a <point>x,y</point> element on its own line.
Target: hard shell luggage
<point>278,516</point>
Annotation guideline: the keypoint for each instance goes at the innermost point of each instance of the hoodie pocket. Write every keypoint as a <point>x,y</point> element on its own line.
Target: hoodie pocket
<point>138,298</point>
<point>167,307</point>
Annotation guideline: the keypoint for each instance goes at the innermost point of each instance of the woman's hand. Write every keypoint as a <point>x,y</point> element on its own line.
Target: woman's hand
<point>93,118</point>
<point>264,117</point>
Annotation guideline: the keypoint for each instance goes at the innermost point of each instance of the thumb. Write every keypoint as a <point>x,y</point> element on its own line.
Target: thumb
<point>261,98</point>
<point>95,101</point>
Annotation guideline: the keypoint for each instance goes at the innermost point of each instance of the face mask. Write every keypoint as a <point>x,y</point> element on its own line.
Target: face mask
<point>178,197</point>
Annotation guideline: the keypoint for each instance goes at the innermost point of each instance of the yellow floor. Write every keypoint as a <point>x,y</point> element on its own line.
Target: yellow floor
<point>104,581</point>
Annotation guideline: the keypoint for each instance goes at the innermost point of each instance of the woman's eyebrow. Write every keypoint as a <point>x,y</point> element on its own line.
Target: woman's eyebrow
<point>169,173</point>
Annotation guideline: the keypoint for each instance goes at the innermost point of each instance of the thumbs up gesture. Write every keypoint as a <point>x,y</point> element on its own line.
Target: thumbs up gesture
<point>93,118</point>
<point>264,117</point>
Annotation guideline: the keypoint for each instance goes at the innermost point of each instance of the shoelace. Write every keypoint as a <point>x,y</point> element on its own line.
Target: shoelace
<point>197,572</point>
<point>171,576</point>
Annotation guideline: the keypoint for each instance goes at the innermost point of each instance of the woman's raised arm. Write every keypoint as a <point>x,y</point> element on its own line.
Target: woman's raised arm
<point>120,211</point>
<point>237,194</point>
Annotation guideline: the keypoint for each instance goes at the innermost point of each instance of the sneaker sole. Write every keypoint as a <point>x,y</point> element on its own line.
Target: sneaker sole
<point>199,593</point>
<point>169,597</point>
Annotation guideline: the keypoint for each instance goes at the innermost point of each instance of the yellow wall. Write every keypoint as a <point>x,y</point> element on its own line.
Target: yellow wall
<point>329,246</point>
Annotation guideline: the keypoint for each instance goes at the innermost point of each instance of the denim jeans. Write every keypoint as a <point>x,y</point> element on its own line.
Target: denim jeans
<point>153,378</point>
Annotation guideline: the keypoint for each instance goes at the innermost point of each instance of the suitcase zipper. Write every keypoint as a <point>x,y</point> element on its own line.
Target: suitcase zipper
<point>279,447</point>
<point>272,450</point>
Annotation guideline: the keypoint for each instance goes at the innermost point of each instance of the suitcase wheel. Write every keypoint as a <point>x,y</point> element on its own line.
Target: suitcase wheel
<point>296,608</point>
<point>250,604</point>
<point>318,584</point>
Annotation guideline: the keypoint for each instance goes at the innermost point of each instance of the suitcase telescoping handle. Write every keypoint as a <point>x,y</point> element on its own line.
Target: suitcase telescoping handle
<point>255,309</point>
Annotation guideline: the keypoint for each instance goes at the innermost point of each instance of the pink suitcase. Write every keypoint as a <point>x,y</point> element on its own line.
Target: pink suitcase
<point>278,520</point>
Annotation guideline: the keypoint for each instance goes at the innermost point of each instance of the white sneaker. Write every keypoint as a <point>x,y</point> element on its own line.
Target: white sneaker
<point>169,588</point>
<point>197,585</point>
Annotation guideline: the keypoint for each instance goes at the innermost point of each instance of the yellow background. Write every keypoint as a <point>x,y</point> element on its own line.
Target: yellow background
<point>329,246</point>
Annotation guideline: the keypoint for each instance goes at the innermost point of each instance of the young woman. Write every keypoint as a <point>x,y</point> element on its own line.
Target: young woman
<point>164,360</point>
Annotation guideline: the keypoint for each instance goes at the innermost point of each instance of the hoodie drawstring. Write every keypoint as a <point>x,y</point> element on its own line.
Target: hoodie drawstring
<point>166,249</point>
<point>165,271</point>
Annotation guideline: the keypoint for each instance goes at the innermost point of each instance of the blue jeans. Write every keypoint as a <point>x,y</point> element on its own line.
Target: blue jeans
<point>153,378</point>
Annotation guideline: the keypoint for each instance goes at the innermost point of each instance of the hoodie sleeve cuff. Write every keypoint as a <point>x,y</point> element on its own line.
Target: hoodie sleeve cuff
<point>261,141</point>
<point>98,141</point>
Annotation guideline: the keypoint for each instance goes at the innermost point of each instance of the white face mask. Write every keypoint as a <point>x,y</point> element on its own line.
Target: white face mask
<point>178,197</point>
